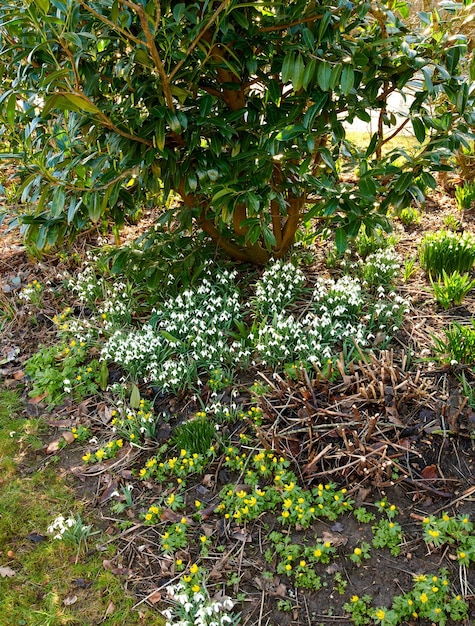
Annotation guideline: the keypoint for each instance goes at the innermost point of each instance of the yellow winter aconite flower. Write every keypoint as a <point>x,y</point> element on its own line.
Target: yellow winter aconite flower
<point>380,614</point>
<point>357,551</point>
<point>423,598</point>
<point>195,588</point>
<point>433,533</point>
<point>194,568</point>
<point>86,457</point>
<point>354,598</point>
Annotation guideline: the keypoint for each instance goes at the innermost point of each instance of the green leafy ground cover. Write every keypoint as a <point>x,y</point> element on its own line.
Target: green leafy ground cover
<point>244,434</point>
<point>51,571</point>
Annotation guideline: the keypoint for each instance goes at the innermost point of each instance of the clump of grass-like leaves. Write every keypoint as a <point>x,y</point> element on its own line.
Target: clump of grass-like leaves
<point>196,436</point>
<point>465,196</point>
<point>452,288</point>
<point>447,251</point>
<point>458,345</point>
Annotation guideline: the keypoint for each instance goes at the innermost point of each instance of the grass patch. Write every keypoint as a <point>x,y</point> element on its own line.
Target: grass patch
<point>46,581</point>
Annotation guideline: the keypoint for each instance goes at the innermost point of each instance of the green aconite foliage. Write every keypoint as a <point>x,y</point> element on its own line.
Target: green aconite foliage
<point>237,107</point>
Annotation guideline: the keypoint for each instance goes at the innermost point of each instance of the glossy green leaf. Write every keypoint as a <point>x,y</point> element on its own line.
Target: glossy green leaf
<point>341,240</point>
<point>323,75</point>
<point>347,79</point>
<point>309,73</point>
<point>419,129</point>
<point>298,73</point>
<point>288,67</point>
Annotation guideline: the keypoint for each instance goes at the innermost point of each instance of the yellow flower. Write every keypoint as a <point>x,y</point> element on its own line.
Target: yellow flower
<point>317,553</point>
<point>197,504</point>
<point>357,551</point>
<point>285,514</point>
<point>203,538</point>
<point>354,598</point>
<point>194,568</point>
<point>179,562</point>
<point>423,598</point>
<point>183,520</point>
<point>461,555</point>
<point>288,567</point>
<point>195,588</point>
<point>142,472</point>
<point>100,454</point>
<point>187,578</point>
<point>433,533</point>
<point>86,457</point>
<point>303,563</point>
<point>148,517</point>
<point>380,614</point>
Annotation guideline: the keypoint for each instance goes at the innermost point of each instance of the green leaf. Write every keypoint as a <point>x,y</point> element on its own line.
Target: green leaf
<point>327,158</point>
<point>372,145</point>
<point>298,73</point>
<point>227,191</point>
<point>341,240</point>
<point>178,11</point>
<point>43,5</point>
<point>288,67</point>
<point>309,73</point>
<point>160,134</point>
<point>290,132</point>
<point>135,397</point>
<point>253,202</point>
<point>347,79</point>
<point>274,91</point>
<point>57,202</point>
<point>323,75</point>
<point>69,102</point>
<point>419,129</point>
<point>367,186</point>
<point>403,182</point>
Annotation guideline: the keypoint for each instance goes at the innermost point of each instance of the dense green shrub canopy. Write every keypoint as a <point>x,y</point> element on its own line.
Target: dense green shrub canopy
<point>238,107</point>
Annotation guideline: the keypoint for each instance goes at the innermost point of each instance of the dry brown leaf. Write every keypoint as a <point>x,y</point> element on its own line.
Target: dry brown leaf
<point>68,436</point>
<point>53,446</point>
<point>110,609</point>
<point>168,515</point>
<point>155,597</point>
<point>37,399</point>
<point>7,572</point>
<point>69,600</point>
<point>19,375</point>
<point>429,472</point>
<point>116,569</point>
<point>335,540</point>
